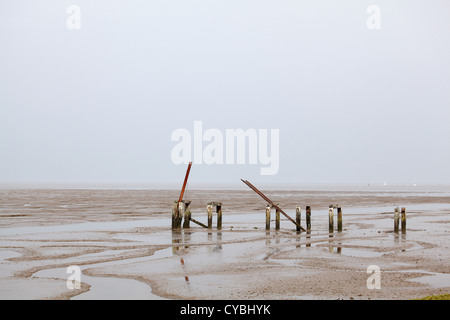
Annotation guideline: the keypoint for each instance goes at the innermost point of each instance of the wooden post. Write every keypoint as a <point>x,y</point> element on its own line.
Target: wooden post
<point>330,219</point>
<point>339,219</point>
<point>308,224</point>
<point>396,219</point>
<point>219,217</point>
<point>181,211</point>
<point>187,215</point>
<point>174,214</point>
<point>277,219</point>
<point>403,220</point>
<point>209,208</point>
<point>308,218</point>
<point>268,217</point>
<point>298,215</point>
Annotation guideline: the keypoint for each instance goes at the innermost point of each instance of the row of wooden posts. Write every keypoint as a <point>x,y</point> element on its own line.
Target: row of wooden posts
<point>308,218</point>
<point>397,218</point>
<point>182,210</point>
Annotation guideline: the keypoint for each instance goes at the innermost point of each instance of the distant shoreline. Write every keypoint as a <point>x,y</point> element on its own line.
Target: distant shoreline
<point>221,186</point>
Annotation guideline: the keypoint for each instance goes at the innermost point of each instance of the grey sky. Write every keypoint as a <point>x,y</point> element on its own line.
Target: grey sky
<point>100,103</point>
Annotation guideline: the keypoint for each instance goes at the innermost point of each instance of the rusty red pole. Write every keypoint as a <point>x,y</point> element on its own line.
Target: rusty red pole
<point>185,182</point>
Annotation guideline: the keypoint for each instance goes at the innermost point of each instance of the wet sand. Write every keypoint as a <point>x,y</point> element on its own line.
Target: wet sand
<point>123,244</point>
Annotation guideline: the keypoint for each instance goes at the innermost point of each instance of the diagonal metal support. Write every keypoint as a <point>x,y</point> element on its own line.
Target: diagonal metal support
<point>271,203</point>
<point>198,222</point>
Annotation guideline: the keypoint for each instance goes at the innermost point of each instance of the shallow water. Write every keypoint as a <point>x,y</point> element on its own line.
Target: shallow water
<point>112,288</point>
<point>86,226</point>
<point>435,280</point>
<point>7,254</point>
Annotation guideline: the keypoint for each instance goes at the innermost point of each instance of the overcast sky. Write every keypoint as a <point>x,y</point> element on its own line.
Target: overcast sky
<point>99,103</point>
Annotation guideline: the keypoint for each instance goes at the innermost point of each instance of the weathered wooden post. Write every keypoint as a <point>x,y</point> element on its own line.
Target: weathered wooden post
<point>396,219</point>
<point>308,218</point>
<point>187,214</point>
<point>209,209</point>
<point>268,207</point>
<point>308,224</point>
<point>277,219</point>
<point>403,220</point>
<point>330,219</point>
<point>339,219</point>
<point>181,212</point>
<point>219,216</point>
<point>174,214</point>
<point>298,215</point>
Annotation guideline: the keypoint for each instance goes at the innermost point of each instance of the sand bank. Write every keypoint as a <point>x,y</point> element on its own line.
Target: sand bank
<point>126,249</point>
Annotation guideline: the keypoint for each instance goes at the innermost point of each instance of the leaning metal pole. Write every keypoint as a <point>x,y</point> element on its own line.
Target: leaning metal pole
<point>185,182</point>
<point>271,203</point>
<point>176,211</point>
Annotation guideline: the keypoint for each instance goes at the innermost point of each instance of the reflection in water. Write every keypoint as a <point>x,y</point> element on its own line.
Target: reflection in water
<point>182,265</point>
<point>308,236</point>
<point>332,245</point>
<point>276,235</point>
<point>398,237</point>
<point>181,239</point>
<point>177,236</point>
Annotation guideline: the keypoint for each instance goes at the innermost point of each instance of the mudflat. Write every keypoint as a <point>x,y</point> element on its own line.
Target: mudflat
<point>122,242</point>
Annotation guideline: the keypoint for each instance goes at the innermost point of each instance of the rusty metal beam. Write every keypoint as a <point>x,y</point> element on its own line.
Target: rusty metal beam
<point>185,182</point>
<point>251,186</point>
<point>198,222</point>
